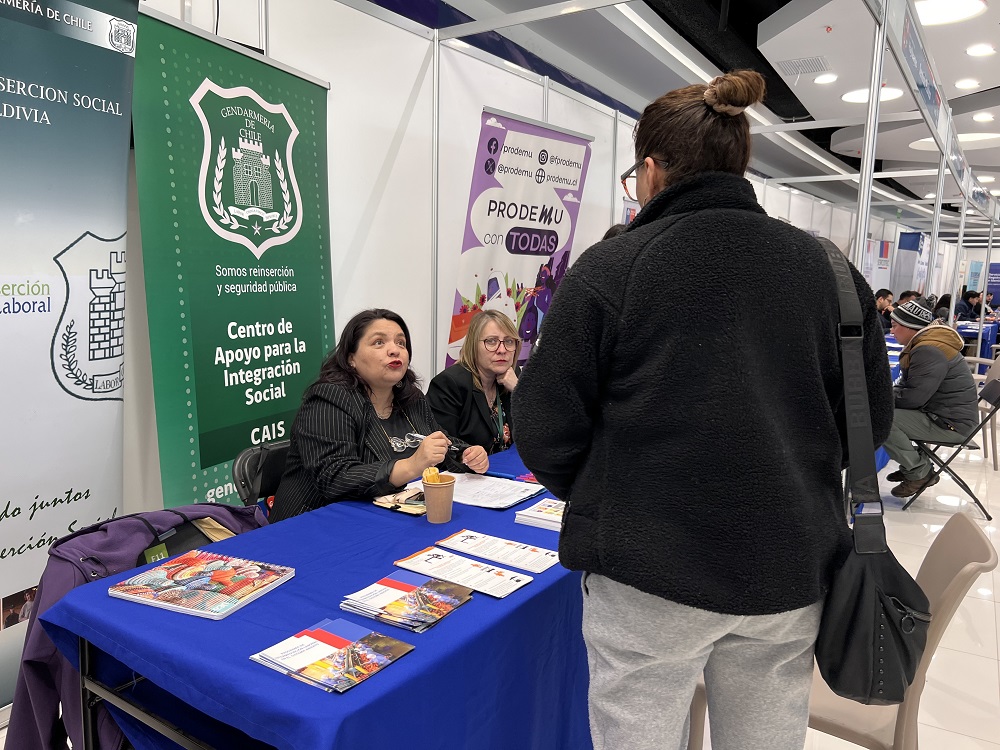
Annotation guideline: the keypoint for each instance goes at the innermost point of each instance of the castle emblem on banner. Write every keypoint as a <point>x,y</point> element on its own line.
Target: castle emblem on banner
<point>246,186</point>
<point>88,345</point>
<point>122,36</point>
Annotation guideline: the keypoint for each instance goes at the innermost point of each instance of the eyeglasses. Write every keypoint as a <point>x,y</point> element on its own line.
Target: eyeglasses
<point>629,180</point>
<point>493,343</point>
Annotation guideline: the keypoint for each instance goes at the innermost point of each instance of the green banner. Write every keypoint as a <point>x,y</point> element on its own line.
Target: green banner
<point>231,170</point>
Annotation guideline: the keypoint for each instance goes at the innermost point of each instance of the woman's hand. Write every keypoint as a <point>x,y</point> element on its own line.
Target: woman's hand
<point>476,458</point>
<point>508,380</point>
<point>431,451</point>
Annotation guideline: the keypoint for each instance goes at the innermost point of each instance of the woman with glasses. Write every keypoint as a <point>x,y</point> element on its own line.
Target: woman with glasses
<point>364,429</point>
<point>700,456</point>
<point>471,399</point>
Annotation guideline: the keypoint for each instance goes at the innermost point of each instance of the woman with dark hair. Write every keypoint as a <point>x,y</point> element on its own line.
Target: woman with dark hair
<point>471,399</point>
<point>942,308</point>
<point>358,431</point>
<point>700,456</point>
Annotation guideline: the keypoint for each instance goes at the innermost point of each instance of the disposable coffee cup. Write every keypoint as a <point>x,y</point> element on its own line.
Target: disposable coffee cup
<point>438,498</point>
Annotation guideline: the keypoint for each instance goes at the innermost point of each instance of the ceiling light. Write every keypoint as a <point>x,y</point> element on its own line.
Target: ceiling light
<point>824,203</point>
<point>981,50</point>
<point>937,12</point>
<point>825,78</point>
<point>983,117</point>
<point>967,83</point>
<point>987,178</point>
<point>995,192</point>
<point>929,196</point>
<point>860,96</point>
<point>969,141</point>
<point>795,192</point>
<point>782,187</point>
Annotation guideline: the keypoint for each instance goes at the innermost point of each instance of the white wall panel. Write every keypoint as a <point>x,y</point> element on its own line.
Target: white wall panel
<point>595,210</point>
<point>800,209</point>
<point>821,218</point>
<point>777,202</point>
<point>467,85</point>
<point>379,144</point>
<point>840,228</point>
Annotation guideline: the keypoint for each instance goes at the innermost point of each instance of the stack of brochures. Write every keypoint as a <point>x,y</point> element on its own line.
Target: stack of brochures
<point>334,655</point>
<point>407,600</point>
<point>487,579</point>
<point>203,583</point>
<point>545,514</point>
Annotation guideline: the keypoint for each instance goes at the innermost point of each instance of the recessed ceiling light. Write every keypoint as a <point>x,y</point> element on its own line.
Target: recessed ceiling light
<point>937,12</point>
<point>860,96</point>
<point>824,203</point>
<point>928,196</point>
<point>983,117</point>
<point>981,50</point>
<point>987,178</point>
<point>782,187</point>
<point>969,141</point>
<point>795,192</point>
<point>967,83</point>
<point>825,78</point>
<point>995,192</point>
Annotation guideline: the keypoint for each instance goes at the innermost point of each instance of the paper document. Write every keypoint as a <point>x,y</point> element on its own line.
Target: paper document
<point>489,492</point>
<point>504,551</point>
<point>465,572</point>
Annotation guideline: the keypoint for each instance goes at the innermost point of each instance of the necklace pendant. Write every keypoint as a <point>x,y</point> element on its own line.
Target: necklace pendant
<point>398,444</point>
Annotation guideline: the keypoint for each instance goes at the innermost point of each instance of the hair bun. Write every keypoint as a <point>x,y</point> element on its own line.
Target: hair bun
<point>732,93</point>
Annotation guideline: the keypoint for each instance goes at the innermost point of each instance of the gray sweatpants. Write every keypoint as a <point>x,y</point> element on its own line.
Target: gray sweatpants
<point>907,424</point>
<point>646,655</point>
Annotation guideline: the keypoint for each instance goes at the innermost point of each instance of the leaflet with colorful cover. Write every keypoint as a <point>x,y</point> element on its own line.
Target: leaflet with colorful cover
<point>478,576</point>
<point>493,548</point>
<point>202,583</point>
<point>334,655</point>
<point>407,600</point>
<point>545,514</point>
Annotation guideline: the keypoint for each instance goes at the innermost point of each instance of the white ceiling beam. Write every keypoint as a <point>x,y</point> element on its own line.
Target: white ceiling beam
<point>838,122</point>
<point>531,15</point>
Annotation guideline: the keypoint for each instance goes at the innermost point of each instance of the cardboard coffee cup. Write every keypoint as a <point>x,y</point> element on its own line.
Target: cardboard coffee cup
<point>438,498</point>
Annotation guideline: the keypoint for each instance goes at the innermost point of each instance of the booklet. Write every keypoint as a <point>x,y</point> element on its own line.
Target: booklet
<point>203,583</point>
<point>465,572</point>
<point>493,548</point>
<point>333,654</point>
<point>407,600</point>
<point>488,492</point>
<point>545,514</point>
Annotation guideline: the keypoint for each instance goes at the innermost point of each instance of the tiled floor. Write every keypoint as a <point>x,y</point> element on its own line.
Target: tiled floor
<point>960,707</point>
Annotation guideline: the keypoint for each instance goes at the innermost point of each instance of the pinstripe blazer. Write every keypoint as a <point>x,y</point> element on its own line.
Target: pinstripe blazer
<point>338,451</point>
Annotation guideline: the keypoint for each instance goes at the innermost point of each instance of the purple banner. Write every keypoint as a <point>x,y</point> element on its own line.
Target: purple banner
<point>527,182</point>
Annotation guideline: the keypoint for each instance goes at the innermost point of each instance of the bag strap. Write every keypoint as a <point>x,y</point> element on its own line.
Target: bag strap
<point>869,529</point>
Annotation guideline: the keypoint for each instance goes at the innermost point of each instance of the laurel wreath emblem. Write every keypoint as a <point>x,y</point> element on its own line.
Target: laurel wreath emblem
<point>281,224</point>
<point>70,364</point>
<point>220,166</point>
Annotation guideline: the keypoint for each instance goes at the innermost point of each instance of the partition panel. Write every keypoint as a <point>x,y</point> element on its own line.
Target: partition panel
<point>800,208</point>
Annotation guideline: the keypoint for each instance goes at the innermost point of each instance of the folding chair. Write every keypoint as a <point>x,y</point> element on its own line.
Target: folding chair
<point>990,394</point>
<point>257,470</point>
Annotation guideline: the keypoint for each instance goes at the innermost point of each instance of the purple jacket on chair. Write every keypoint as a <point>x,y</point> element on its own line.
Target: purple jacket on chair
<point>46,679</point>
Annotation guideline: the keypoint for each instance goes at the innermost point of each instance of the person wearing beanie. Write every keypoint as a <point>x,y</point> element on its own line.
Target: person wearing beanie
<point>935,398</point>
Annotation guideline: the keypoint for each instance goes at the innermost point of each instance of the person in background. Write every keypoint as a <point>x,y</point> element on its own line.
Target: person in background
<point>943,308</point>
<point>702,484</point>
<point>935,398</point>
<point>883,303</point>
<point>614,231</point>
<point>351,438</point>
<point>471,399</point>
<point>965,307</point>
<point>906,297</point>
<point>29,603</point>
<point>987,304</point>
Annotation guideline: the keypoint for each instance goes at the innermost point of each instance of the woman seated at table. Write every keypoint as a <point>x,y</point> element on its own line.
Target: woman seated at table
<point>471,399</point>
<point>356,434</point>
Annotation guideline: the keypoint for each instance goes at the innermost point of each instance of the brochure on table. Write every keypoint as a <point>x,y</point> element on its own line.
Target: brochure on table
<point>478,576</point>
<point>488,492</point>
<point>408,600</point>
<point>547,513</point>
<point>503,551</point>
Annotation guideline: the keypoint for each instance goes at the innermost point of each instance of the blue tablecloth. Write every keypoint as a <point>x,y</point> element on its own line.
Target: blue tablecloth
<point>507,464</point>
<point>495,674</point>
<point>970,331</point>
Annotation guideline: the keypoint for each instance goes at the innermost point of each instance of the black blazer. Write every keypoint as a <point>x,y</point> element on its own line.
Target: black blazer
<point>339,452</point>
<point>461,408</point>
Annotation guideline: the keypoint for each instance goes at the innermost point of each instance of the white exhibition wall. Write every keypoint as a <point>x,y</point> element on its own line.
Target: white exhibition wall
<point>380,171</point>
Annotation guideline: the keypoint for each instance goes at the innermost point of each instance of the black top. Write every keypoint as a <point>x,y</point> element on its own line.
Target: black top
<point>339,452</point>
<point>396,426</point>
<point>700,455</point>
<point>462,410</point>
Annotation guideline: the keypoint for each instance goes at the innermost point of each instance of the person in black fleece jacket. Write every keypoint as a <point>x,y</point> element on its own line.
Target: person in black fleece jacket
<point>699,455</point>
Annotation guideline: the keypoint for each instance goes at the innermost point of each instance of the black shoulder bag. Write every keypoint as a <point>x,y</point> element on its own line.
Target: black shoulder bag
<point>875,619</point>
